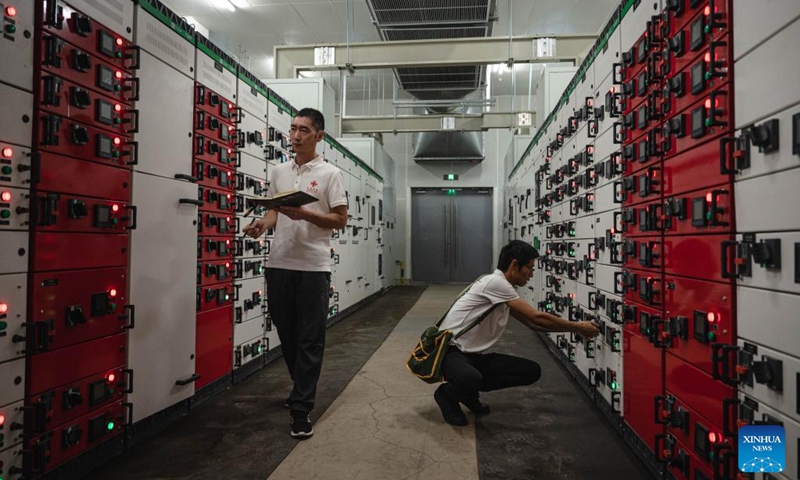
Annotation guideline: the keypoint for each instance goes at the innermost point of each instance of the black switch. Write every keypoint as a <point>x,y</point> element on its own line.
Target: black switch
<point>77,208</point>
<point>79,98</point>
<point>72,398</point>
<point>81,25</point>
<point>81,61</point>
<point>75,315</point>
<point>80,136</point>
<point>71,436</point>
<point>769,372</point>
<point>767,253</point>
<point>765,136</point>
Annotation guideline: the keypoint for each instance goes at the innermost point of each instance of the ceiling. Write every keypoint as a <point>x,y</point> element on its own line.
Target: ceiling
<point>251,32</point>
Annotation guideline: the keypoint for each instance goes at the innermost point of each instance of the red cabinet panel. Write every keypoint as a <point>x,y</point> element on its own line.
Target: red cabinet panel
<point>214,345</point>
<point>51,370</point>
<point>68,251</point>
<point>79,305</point>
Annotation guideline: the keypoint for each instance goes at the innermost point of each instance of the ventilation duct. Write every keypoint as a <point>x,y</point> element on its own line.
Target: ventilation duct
<point>438,19</point>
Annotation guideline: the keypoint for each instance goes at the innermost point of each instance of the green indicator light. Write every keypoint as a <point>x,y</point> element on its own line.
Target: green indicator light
<point>450,176</point>
<point>111,390</point>
<point>711,336</point>
<point>708,215</point>
<point>451,191</point>
<point>5,213</point>
<point>708,75</point>
<point>117,88</point>
<point>11,28</point>
<point>707,29</point>
<point>7,170</point>
<point>110,426</point>
<point>708,122</point>
<point>613,385</point>
<point>112,306</point>
<point>116,154</point>
<point>227,297</point>
<point>117,121</point>
<point>3,325</point>
<point>119,54</point>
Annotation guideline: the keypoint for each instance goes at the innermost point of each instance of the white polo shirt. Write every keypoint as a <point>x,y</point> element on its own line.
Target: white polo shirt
<point>490,290</point>
<point>298,244</point>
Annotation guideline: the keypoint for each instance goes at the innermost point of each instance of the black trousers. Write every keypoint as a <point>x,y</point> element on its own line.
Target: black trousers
<point>298,304</point>
<point>467,374</point>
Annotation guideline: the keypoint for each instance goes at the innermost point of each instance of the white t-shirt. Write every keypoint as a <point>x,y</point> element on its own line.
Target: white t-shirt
<point>298,244</point>
<point>489,290</point>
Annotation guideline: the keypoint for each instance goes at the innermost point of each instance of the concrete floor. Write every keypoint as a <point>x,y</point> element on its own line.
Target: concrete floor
<point>375,421</point>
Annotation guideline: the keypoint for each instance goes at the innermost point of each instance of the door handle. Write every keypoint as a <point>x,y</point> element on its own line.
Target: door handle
<point>446,233</point>
<point>455,232</point>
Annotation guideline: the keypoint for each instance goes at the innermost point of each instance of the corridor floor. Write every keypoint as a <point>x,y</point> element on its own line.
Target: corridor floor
<point>374,420</point>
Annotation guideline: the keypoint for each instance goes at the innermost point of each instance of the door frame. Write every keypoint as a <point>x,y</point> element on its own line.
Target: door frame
<point>409,219</point>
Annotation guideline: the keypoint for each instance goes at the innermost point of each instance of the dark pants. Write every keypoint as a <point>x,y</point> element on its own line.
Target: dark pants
<point>467,374</point>
<point>298,304</point>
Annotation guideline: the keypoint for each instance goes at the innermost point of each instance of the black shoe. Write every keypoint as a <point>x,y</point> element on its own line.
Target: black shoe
<point>301,424</point>
<point>476,406</point>
<point>450,410</point>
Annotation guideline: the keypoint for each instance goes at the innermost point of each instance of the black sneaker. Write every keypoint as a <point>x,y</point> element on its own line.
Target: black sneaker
<point>476,406</point>
<point>301,424</point>
<point>450,410</point>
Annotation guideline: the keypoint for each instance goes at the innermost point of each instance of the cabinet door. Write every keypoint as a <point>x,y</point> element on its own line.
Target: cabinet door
<point>163,268</point>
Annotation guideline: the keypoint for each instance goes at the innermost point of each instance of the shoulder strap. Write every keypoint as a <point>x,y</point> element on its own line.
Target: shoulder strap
<point>476,322</point>
<point>463,292</point>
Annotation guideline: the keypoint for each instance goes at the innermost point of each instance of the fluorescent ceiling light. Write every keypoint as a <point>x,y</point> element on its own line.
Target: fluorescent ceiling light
<point>223,4</point>
<point>241,3</point>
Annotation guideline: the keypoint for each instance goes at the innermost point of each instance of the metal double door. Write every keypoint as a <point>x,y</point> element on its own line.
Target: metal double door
<point>451,238</point>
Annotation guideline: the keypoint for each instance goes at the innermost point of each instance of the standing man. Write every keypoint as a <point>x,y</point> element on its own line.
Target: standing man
<point>299,264</point>
<point>466,368</point>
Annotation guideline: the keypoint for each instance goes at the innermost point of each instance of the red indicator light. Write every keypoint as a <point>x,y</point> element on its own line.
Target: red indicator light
<point>613,90</point>
<point>709,197</point>
<point>6,196</point>
<point>2,419</point>
<point>11,12</point>
<point>707,11</point>
<point>707,58</point>
<point>117,107</point>
<point>590,149</point>
<point>118,74</point>
<point>260,292</point>
<point>230,151</point>
<point>590,102</point>
<point>227,242</point>
<point>3,308</point>
<point>117,141</point>
<point>227,265</point>
<point>119,42</point>
<point>712,437</point>
<point>115,208</point>
<point>231,106</point>
<point>711,317</point>
<point>111,377</point>
<point>7,152</point>
<point>229,219</point>
<point>613,231</point>
<point>572,296</point>
<point>591,197</point>
<point>112,292</point>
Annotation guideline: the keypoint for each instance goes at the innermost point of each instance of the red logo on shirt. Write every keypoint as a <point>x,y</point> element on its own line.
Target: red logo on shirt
<point>312,187</point>
<point>314,184</point>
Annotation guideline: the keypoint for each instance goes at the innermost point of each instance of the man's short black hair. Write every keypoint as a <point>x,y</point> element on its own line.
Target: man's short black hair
<point>317,119</point>
<point>518,250</point>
